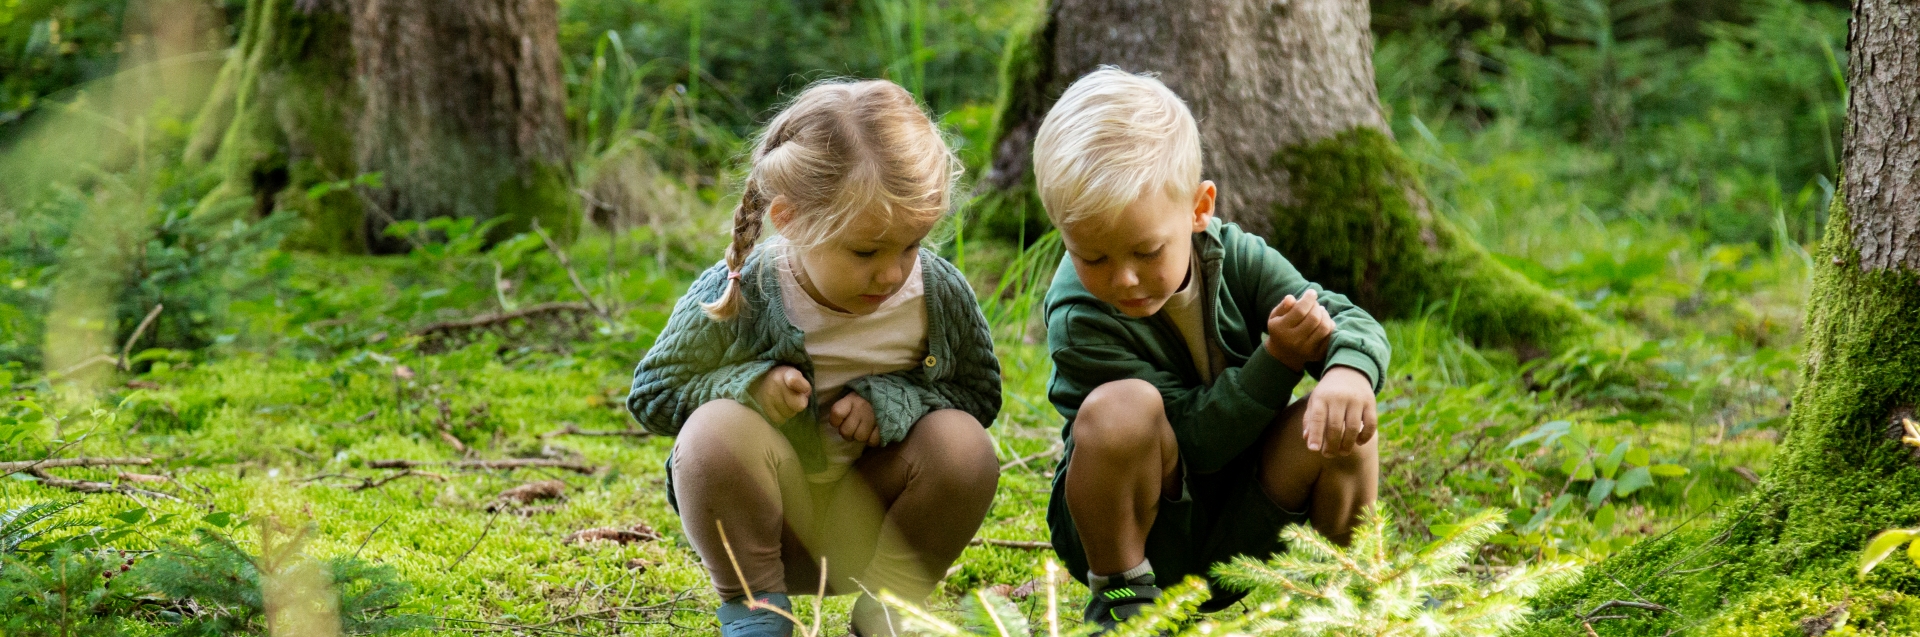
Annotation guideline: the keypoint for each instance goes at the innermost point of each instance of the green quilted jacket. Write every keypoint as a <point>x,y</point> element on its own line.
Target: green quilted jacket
<point>1092,344</point>
<point>698,359</point>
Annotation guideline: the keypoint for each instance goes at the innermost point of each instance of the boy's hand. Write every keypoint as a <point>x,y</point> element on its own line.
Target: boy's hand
<point>853,416</point>
<point>1340,412</point>
<point>1298,331</point>
<point>782,392</point>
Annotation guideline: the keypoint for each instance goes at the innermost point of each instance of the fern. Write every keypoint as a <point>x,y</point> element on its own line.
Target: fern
<point>1314,589</point>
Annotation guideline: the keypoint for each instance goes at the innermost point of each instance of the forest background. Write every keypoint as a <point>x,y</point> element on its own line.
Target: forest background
<point>1666,166</point>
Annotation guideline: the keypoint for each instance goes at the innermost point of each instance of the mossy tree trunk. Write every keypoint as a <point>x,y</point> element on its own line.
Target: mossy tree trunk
<point>1295,138</point>
<point>465,110</point>
<point>459,106</point>
<point>1788,551</point>
<point>280,120</point>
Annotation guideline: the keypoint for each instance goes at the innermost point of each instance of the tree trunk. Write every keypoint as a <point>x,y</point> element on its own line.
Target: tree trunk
<point>465,111</point>
<point>459,107</point>
<point>1788,551</point>
<point>1295,139</point>
<point>280,121</point>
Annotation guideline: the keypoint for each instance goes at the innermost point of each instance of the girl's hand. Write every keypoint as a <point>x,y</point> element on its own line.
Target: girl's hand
<point>1340,412</point>
<point>1298,331</point>
<point>853,415</point>
<point>783,392</point>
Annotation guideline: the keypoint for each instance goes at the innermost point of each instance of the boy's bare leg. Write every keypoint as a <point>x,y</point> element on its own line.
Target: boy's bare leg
<point>1337,488</point>
<point>1125,458</point>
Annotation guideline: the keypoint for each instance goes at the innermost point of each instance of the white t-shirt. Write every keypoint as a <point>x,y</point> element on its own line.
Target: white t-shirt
<point>847,346</point>
<point>1184,309</point>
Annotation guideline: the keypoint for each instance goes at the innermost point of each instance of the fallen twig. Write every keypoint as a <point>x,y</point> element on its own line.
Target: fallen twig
<point>476,543</point>
<point>1032,545</point>
<point>1057,448</point>
<point>90,486</point>
<point>142,329</point>
<point>570,429</point>
<point>567,264</point>
<point>637,533</point>
<point>1594,615</point>
<point>510,463</point>
<point>17,466</point>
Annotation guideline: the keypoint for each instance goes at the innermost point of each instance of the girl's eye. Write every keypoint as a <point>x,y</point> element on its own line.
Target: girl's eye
<point>1102,259</point>
<point>865,254</point>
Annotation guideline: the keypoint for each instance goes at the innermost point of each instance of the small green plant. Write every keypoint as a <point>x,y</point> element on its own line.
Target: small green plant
<point>1315,588</point>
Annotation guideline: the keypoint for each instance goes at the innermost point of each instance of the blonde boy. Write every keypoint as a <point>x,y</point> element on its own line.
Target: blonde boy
<point>1177,340</point>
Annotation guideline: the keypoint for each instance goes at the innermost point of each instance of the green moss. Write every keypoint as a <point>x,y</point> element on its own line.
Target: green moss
<point>541,195</point>
<point>280,108</point>
<point>1838,477</point>
<point>1359,223</point>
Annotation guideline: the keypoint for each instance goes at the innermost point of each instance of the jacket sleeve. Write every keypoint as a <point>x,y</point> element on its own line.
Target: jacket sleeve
<point>1213,423</point>
<point>901,398</point>
<point>1358,340</point>
<point>693,362</point>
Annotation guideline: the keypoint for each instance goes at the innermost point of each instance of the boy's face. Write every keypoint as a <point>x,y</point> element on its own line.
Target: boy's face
<point>1137,258</point>
<point>861,266</point>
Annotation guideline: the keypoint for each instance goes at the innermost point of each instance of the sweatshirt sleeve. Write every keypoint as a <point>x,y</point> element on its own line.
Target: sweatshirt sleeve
<point>1358,340</point>
<point>1213,423</point>
<point>972,385</point>
<point>693,362</point>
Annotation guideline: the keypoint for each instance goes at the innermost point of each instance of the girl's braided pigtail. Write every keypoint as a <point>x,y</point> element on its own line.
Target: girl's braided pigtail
<point>747,219</point>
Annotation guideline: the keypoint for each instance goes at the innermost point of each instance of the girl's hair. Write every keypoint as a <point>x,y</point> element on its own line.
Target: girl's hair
<point>840,149</point>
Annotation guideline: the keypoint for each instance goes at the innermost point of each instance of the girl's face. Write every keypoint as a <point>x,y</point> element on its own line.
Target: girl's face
<point>860,267</point>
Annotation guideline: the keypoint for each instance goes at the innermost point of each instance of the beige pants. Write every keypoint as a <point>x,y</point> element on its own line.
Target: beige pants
<point>895,522</point>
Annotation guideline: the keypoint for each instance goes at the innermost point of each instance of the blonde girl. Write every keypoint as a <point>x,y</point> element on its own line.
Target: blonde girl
<point>829,388</point>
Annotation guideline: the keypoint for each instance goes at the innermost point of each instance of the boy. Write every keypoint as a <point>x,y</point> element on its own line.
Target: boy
<point>1182,449</point>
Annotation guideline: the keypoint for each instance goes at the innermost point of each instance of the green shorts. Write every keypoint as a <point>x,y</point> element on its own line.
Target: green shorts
<point>1219,515</point>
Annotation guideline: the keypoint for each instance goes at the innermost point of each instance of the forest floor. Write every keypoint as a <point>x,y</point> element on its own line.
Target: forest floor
<point>291,421</point>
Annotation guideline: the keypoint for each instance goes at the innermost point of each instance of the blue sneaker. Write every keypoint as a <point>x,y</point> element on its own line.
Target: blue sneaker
<point>737,620</point>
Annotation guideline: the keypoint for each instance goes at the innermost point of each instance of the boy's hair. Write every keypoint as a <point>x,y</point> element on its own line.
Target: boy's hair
<point>841,148</point>
<point>1113,137</point>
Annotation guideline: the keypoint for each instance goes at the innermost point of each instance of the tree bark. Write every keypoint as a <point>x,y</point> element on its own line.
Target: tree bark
<point>1788,550</point>
<point>465,111</point>
<point>1294,136</point>
<point>459,106</point>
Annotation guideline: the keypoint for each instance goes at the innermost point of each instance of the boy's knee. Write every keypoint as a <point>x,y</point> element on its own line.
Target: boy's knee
<point>1123,415</point>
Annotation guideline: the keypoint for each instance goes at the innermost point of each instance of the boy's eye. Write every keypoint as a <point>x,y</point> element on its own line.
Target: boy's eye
<point>1149,255</point>
<point>865,254</point>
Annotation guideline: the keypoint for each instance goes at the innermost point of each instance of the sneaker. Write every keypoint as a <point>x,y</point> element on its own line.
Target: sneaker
<point>1111,606</point>
<point>870,618</point>
<point>739,620</point>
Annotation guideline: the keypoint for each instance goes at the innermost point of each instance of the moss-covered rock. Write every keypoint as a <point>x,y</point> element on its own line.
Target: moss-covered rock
<point>1840,476</point>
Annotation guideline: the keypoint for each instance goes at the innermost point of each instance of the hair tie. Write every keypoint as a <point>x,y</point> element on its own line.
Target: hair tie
<point>733,275</point>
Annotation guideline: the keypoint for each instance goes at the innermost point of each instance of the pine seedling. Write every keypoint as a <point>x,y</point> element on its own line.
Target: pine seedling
<point>1318,588</point>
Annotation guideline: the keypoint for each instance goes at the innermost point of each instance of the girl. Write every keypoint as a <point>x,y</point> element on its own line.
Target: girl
<point>831,389</point>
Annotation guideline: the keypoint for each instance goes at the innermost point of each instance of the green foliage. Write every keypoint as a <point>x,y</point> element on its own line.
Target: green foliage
<point>1372,587</point>
<point>225,583</point>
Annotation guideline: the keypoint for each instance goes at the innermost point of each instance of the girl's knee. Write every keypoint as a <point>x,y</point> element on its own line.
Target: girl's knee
<point>957,448</point>
<point>724,429</point>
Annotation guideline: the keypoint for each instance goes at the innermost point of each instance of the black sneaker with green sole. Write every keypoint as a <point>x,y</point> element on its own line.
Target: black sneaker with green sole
<point>1111,606</point>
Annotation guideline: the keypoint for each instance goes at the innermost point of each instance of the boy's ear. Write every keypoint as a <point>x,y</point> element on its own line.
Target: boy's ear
<point>1203,205</point>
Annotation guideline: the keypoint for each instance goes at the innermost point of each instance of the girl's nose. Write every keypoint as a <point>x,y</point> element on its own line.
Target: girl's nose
<point>892,274</point>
